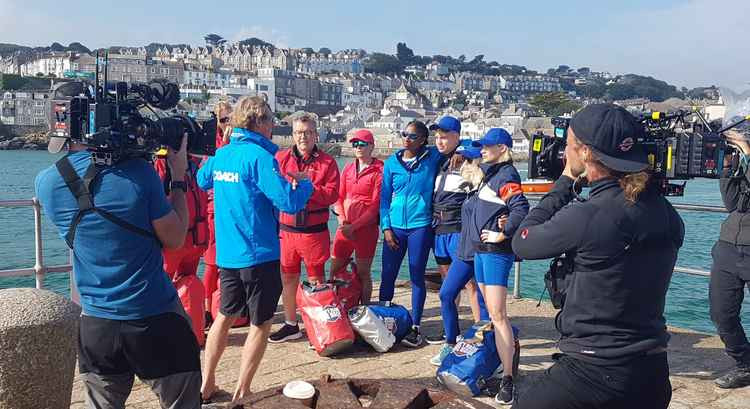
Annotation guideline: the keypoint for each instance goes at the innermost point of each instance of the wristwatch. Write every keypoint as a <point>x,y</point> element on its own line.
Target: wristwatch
<point>182,185</point>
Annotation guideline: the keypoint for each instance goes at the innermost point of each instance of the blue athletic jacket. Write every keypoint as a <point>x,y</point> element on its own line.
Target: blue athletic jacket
<point>406,197</point>
<point>498,195</point>
<point>248,193</point>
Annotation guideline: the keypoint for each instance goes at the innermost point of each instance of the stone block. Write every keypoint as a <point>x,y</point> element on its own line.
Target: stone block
<point>38,335</point>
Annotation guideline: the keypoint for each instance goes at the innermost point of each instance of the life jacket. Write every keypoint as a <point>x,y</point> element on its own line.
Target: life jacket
<point>450,193</point>
<point>197,203</point>
<point>324,175</point>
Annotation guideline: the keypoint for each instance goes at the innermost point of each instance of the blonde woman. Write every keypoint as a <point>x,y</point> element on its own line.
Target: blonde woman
<point>223,111</point>
<point>499,195</point>
<point>461,270</point>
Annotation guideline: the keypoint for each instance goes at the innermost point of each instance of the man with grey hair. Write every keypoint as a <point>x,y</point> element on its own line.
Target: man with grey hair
<point>304,235</point>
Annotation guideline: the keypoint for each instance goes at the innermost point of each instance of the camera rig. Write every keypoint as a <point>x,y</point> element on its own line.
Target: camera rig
<point>117,121</point>
<point>680,146</point>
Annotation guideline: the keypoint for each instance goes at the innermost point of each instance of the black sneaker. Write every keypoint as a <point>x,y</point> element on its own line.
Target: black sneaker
<point>286,333</point>
<point>736,378</point>
<point>507,391</point>
<point>436,339</point>
<point>413,338</point>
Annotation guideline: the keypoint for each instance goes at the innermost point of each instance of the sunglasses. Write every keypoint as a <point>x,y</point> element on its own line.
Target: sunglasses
<point>360,144</point>
<point>411,136</point>
<point>224,120</point>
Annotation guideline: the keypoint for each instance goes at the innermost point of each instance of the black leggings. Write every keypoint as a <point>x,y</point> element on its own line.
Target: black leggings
<point>642,383</point>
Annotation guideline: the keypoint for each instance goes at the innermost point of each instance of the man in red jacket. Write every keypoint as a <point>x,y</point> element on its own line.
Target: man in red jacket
<point>223,111</point>
<point>304,235</point>
<point>358,209</point>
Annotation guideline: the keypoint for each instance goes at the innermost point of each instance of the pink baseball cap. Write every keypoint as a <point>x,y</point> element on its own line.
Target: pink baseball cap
<point>363,135</point>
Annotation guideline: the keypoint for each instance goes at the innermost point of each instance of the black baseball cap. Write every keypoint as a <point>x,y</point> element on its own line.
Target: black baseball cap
<point>611,132</point>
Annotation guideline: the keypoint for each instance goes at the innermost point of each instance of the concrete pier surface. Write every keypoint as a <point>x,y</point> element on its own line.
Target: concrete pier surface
<point>695,359</point>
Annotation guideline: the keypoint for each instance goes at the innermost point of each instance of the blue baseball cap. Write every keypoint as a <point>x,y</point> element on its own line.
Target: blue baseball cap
<point>448,124</point>
<point>470,151</point>
<point>496,136</point>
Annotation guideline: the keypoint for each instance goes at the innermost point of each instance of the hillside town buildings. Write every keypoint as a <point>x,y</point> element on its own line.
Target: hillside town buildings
<point>333,85</point>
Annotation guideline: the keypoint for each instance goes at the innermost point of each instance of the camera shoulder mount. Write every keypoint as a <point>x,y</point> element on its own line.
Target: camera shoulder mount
<point>81,188</point>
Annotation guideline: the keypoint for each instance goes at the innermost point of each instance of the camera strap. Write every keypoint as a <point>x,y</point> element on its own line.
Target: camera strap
<point>81,190</point>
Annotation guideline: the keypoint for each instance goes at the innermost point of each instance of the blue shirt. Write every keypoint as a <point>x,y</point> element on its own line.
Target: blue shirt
<point>406,196</point>
<point>248,192</point>
<point>118,273</point>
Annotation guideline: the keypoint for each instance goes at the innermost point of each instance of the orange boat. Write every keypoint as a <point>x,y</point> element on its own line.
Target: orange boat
<point>537,186</point>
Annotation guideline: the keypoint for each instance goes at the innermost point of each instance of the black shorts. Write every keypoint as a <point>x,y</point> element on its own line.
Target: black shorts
<point>151,348</point>
<point>257,288</point>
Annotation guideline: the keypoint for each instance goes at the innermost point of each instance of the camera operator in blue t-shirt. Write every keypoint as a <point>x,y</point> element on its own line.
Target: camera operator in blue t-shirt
<point>116,219</point>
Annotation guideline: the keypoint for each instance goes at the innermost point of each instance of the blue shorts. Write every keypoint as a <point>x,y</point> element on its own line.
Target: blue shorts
<point>493,268</point>
<point>445,248</point>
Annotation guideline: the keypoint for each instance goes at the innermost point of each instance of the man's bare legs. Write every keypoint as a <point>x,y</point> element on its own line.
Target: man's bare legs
<point>289,295</point>
<point>252,354</point>
<point>215,345</point>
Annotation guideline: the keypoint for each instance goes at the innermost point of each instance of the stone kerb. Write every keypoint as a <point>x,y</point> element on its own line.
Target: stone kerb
<point>38,335</point>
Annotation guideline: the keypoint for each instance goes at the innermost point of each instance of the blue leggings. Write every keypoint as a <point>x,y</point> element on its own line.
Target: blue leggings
<point>459,273</point>
<point>418,242</point>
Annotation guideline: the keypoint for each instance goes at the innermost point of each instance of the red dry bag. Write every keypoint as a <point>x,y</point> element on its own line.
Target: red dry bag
<point>326,321</point>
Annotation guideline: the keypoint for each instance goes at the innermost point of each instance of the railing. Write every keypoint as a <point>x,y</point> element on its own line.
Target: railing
<point>677,269</point>
<point>39,270</point>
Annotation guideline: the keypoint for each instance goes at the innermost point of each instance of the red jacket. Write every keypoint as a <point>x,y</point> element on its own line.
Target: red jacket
<point>359,194</point>
<point>324,175</point>
<point>197,204</point>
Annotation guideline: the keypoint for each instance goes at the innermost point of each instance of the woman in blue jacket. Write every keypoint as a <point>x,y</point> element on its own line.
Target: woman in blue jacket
<point>406,217</point>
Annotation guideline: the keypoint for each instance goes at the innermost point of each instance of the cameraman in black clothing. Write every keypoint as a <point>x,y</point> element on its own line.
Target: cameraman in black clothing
<point>730,272</point>
<point>624,240</point>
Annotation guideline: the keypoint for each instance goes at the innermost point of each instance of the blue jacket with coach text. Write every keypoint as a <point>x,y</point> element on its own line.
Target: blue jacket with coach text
<point>248,193</point>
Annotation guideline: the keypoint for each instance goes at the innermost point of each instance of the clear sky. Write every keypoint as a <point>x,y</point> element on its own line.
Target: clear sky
<point>687,43</point>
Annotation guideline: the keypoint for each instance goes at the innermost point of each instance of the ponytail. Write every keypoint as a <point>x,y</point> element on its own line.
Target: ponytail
<point>633,184</point>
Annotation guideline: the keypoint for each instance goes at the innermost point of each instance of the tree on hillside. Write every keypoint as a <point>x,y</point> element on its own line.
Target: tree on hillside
<point>324,50</point>
<point>637,86</point>
<point>593,89</point>
<point>379,63</point>
<point>57,47</point>
<point>563,69</point>
<point>78,48</point>
<point>252,42</point>
<point>214,40</point>
<point>554,104</point>
<point>404,53</point>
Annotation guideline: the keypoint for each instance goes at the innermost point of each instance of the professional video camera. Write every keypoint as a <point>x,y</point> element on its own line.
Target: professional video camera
<point>677,149</point>
<point>123,121</point>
